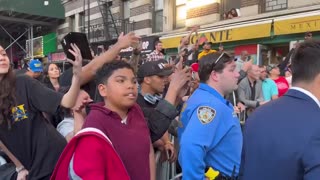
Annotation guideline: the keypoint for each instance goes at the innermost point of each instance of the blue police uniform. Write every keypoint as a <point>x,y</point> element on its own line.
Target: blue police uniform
<point>211,135</point>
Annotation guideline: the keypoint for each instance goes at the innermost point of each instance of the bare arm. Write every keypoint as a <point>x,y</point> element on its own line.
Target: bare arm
<point>124,41</point>
<point>134,61</point>
<point>22,172</point>
<point>69,99</point>
<point>15,161</point>
<point>194,29</point>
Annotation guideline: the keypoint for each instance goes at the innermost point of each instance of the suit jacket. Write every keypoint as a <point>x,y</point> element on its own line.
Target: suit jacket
<point>244,93</point>
<point>282,140</point>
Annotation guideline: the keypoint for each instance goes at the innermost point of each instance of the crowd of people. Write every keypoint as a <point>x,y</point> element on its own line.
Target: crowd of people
<point>106,118</point>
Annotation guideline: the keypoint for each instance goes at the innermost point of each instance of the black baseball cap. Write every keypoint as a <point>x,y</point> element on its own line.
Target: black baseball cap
<point>151,68</point>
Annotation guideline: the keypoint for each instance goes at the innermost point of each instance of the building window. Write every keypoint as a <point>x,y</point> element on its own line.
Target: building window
<point>158,16</point>
<point>81,22</point>
<point>230,9</point>
<point>126,10</point>
<point>274,5</point>
<point>180,13</point>
<point>72,23</point>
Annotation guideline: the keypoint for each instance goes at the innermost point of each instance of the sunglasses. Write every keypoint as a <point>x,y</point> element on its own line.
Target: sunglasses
<point>219,58</point>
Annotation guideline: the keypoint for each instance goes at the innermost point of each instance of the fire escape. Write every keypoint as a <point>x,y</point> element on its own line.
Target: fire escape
<point>113,27</point>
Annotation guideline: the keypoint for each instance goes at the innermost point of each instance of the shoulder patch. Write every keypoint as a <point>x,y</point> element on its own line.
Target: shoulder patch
<point>206,114</point>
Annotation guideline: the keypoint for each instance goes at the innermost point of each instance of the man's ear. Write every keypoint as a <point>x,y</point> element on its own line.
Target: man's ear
<point>214,76</point>
<point>103,91</point>
<point>147,80</point>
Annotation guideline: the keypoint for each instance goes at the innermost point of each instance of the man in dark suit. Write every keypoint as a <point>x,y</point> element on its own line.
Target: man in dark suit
<point>282,138</point>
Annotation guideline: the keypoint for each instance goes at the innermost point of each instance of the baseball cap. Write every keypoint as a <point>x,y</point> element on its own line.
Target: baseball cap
<point>151,68</point>
<point>35,65</point>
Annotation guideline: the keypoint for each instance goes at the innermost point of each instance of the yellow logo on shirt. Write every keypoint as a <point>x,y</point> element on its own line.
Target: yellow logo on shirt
<point>19,113</point>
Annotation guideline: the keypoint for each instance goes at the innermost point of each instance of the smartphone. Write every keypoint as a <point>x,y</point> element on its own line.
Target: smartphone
<point>193,75</point>
<point>80,39</point>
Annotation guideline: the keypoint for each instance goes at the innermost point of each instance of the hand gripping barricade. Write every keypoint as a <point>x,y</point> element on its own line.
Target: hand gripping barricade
<point>242,116</point>
<point>166,170</point>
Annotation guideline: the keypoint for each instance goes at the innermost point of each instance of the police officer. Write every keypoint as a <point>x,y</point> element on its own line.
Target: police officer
<point>211,134</point>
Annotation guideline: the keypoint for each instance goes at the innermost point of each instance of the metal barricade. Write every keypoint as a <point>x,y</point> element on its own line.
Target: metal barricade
<point>166,170</point>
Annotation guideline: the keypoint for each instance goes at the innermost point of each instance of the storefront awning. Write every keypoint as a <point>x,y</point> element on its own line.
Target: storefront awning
<point>297,23</point>
<point>227,34</point>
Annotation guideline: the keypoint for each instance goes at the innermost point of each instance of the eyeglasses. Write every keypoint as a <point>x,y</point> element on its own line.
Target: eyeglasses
<point>220,57</point>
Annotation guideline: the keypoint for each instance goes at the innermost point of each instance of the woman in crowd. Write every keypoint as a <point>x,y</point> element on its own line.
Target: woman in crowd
<point>23,129</point>
<point>51,74</point>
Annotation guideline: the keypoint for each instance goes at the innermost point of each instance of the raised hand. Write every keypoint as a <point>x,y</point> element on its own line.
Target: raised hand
<point>130,39</point>
<point>180,80</point>
<point>77,63</point>
<point>82,100</point>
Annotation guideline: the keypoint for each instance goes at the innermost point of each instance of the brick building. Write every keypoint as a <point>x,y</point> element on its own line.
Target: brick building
<point>265,25</point>
<point>265,28</point>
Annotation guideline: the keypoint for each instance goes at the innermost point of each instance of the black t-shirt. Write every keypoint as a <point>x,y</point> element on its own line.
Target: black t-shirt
<point>21,71</point>
<point>32,139</point>
<point>66,78</point>
<point>143,103</point>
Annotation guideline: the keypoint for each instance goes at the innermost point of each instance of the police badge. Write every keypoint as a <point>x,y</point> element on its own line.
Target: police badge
<point>206,114</point>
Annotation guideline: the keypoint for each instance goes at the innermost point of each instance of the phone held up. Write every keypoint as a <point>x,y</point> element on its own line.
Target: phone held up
<point>80,39</point>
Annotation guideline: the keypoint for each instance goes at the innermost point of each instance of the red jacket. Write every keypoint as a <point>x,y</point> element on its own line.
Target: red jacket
<point>90,155</point>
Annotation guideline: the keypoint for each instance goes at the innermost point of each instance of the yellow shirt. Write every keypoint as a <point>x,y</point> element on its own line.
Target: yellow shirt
<point>204,53</point>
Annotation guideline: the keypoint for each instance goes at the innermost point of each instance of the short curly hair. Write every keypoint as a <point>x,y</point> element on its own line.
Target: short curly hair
<point>104,73</point>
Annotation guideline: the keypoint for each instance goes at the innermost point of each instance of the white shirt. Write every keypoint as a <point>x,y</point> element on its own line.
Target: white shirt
<point>239,64</point>
<point>308,93</point>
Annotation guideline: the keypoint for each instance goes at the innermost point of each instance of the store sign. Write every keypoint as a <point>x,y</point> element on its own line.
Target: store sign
<point>297,25</point>
<point>61,56</point>
<point>147,44</point>
<point>224,35</point>
<point>37,44</point>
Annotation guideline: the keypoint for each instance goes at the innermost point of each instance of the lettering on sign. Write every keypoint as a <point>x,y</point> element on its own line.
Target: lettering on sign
<point>214,37</point>
<point>312,24</point>
<point>297,25</point>
<point>145,45</point>
<point>58,56</point>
